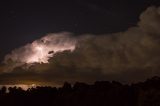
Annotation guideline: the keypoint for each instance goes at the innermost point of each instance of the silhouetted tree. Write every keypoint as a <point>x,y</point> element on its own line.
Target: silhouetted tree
<point>101,93</point>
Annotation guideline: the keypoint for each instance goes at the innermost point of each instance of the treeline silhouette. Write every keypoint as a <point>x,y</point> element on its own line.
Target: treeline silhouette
<point>101,93</point>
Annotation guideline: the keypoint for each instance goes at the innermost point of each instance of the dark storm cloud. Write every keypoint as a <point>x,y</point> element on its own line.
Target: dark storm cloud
<point>127,56</point>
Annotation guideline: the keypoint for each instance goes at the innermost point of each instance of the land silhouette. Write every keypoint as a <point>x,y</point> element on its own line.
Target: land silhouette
<point>101,93</point>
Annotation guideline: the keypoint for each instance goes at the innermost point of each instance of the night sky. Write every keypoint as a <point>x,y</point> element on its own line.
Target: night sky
<point>25,21</point>
<point>22,22</point>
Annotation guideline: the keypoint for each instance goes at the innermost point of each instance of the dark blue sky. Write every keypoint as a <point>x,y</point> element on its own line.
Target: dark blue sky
<point>24,21</point>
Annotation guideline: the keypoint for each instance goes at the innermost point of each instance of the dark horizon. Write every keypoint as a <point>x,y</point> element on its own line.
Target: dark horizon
<point>101,93</point>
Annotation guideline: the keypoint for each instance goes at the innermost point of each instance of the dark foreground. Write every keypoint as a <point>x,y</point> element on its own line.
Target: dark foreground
<point>101,93</point>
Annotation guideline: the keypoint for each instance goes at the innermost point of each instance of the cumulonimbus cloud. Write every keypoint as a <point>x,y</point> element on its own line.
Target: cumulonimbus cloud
<point>39,51</point>
<point>133,51</point>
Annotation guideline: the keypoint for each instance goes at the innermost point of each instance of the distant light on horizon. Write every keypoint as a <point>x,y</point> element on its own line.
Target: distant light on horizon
<point>22,86</point>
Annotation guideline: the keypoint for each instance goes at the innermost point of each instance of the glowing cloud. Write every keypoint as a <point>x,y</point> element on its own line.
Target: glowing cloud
<point>42,49</point>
